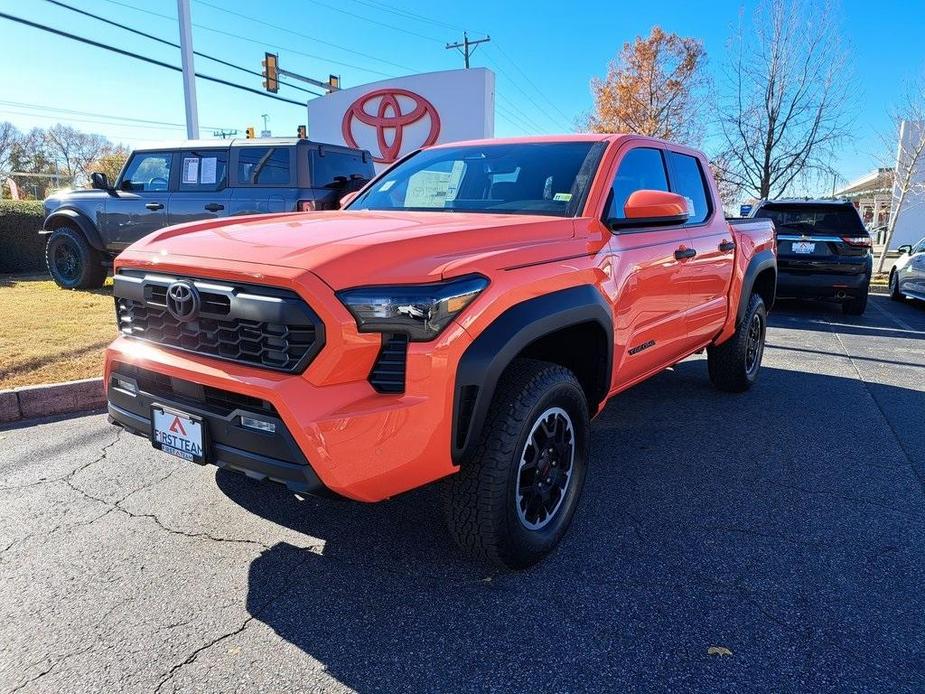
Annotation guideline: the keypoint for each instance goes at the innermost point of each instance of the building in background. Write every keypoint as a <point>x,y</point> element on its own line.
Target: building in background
<point>872,195</point>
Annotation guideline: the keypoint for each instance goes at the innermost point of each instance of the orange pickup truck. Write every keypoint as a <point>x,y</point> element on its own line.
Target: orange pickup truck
<point>464,316</point>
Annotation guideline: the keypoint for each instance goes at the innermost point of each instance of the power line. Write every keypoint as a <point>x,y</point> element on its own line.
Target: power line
<point>171,43</point>
<point>287,30</point>
<point>408,14</point>
<point>263,44</point>
<point>152,61</point>
<point>69,111</point>
<point>530,82</point>
<point>376,21</point>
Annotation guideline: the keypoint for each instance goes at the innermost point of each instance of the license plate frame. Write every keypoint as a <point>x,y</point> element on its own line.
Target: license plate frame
<point>189,438</point>
<point>803,247</point>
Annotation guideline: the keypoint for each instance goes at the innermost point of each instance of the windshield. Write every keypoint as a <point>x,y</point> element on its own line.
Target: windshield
<point>546,178</point>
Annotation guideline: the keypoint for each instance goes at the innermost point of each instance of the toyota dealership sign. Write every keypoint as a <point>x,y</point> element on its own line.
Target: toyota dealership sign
<point>397,116</point>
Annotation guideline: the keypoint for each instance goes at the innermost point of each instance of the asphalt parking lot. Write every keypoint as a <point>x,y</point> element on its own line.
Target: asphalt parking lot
<point>786,525</point>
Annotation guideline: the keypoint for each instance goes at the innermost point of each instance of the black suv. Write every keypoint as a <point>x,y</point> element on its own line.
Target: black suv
<point>823,251</point>
<point>204,179</point>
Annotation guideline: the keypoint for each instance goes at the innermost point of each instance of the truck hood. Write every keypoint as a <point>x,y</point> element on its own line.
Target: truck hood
<point>346,248</point>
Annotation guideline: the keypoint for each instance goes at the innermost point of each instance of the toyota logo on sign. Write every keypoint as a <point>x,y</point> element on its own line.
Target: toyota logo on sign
<point>381,111</point>
<point>182,301</point>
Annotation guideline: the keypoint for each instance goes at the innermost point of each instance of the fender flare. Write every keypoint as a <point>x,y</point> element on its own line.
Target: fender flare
<point>483,362</point>
<point>78,219</point>
<point>761,261</point>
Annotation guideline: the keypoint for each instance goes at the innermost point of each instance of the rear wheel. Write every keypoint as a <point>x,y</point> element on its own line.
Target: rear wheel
<point>735,363</point>
<point>895,294</point>
<point>514,500</point>
<point>856,305</point>
<point>72,262</point>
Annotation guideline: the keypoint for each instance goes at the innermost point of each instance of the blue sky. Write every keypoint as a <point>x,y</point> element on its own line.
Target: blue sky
<point>544,55</point>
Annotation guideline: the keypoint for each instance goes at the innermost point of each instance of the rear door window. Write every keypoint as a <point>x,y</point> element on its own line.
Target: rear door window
<point>641,169</point>
<point>687,180</point>
<point>334,170</point>
<point>264,166</point>
<point>148,172</point>
<point>203,170</point>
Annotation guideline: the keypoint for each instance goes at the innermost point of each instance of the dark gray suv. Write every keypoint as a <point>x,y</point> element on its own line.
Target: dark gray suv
<point>205,179</point>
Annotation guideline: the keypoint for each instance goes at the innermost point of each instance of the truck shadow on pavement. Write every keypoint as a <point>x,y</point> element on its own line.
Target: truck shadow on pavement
<point>773,523</point>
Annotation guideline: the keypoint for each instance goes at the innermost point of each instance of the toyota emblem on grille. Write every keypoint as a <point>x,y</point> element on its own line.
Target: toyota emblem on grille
<point>183,301</point>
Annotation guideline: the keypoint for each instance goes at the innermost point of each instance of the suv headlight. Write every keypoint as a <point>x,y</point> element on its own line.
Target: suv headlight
<point>420,311</point>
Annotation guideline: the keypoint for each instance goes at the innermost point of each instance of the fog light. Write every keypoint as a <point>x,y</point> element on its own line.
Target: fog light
<point>127,386</point>
<point>258,425</point>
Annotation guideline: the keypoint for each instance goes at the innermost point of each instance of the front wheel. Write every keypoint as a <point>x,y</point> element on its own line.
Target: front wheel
<point>514,500</point>
<point>72,262</point>
<point>735,363</point>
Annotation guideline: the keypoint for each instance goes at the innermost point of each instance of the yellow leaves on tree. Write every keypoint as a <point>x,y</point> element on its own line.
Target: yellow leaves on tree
<point>653,88</point>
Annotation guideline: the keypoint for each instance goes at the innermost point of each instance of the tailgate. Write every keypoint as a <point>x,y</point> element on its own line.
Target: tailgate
<point>828,238</point>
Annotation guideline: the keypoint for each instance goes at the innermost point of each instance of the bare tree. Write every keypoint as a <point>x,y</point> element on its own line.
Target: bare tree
<point>784,110</point>
<point>909,174</point>
<point>76,151</point>
<point>8,137</point>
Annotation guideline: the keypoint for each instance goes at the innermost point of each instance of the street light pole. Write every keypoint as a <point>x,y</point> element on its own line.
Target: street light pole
<point>189,70</point>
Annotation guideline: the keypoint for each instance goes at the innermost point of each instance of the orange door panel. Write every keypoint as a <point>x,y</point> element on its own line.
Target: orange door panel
<point>711,273</point>
<point>652,299</point>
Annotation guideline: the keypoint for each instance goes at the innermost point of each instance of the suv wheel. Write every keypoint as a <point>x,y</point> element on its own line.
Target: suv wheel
<point>513,501</point>
<point>895,294</point>
<point>856,305</point>
<point>72,263</point>
<point>734,364</point>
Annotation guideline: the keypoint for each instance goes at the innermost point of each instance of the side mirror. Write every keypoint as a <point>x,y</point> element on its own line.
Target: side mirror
<point>904,249</point>
<point>348,198</point>
<point>653,208</point>
<point>100,181</point>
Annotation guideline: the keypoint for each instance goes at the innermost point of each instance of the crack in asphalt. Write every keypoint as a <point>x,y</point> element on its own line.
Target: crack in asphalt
<point>104,451</point>
<point>191,658</point>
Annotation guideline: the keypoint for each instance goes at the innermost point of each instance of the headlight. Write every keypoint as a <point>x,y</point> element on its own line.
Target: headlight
<point>420,311</point>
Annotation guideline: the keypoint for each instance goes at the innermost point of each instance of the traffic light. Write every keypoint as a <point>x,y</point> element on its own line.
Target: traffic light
<point>303,132</point>
<point>249,133</point>
<point>333,82</point>
<point>270,72</point>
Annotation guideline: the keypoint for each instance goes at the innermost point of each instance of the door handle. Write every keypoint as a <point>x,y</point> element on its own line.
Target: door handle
<point>726,246</point>
<point>683,253</point>
<point>214,207</point>
<point>154,206</point>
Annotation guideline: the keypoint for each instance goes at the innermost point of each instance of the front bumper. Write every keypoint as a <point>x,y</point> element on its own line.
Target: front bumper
<point>257,454</point>
<point>340,435</point>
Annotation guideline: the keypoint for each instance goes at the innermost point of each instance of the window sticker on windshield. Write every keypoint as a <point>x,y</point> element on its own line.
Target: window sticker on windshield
<point>191,169</point>
<point>207,175</point>
<point>562,197</point>
<point>386,186</point>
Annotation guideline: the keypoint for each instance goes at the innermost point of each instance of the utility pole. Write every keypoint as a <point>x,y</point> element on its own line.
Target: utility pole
<point>189,70</point>
<point>467,47</point>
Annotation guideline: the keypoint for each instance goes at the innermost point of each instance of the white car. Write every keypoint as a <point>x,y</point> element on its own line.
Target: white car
<point>907,278</point>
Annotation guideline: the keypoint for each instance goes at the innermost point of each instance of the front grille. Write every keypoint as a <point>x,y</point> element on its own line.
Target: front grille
<point>388,374</point>
<point>260,326</point>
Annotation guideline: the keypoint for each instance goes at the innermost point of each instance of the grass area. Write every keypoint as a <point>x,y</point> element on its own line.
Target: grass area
<point>49,334</point>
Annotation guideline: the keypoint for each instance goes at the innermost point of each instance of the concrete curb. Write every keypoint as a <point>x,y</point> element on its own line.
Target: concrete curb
<point>51,399</point>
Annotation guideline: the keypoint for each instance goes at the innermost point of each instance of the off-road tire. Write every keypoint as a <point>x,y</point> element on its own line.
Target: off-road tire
<point>856,305</point>
<point>87,270</point>
<point>895,294</point>
<point>481,499</point>
<point>729,363</point>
